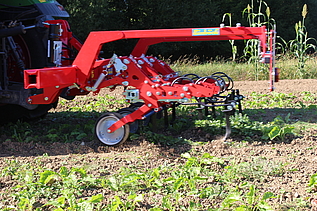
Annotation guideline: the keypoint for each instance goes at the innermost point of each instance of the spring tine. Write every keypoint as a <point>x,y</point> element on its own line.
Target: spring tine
<point>206,107</point>
<point>228,126</point>
<point>165,118</point>
<point>154,122</point>
<point>181,78</point>
<point>173,113</point>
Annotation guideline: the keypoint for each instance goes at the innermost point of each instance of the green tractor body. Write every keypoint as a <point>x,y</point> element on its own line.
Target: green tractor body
<point>20,3</point>
<point>45,7</point>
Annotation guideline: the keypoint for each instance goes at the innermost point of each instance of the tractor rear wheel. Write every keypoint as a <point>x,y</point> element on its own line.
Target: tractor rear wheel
<point>32,51</point>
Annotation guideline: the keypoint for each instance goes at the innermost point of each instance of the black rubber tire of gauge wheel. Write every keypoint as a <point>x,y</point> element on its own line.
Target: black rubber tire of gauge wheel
<point>116,138</point>
<point>134,126</point>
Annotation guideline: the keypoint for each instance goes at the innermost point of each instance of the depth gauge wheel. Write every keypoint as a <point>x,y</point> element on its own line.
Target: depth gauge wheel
<point>116,138</point>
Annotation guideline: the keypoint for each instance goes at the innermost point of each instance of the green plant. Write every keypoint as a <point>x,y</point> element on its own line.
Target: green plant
<point>50,184</point>
<point>247,200</point>
<point>128,204</point>
<point>313,183</point>
<point>255,169</point>
<point>277,129</point>
<point>69,202</point>
<point>300,46</point>
<point>256,19</point>
<point>234,50</point>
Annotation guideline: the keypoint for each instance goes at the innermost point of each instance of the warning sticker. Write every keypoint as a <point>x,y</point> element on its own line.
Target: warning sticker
<point>206,32</point>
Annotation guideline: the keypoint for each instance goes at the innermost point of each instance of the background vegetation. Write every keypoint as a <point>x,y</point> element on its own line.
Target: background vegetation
<point>91,15</point>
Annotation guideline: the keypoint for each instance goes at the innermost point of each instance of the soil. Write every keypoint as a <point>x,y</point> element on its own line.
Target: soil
<point>298,153</point>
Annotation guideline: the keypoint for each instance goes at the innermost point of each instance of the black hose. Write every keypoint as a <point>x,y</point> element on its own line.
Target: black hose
<point>28,12</point>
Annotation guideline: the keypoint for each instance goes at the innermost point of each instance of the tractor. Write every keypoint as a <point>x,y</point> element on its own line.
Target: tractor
<point>41,60</point>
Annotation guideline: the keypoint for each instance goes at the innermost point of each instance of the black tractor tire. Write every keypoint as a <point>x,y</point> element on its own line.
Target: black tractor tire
<point>36,45</point>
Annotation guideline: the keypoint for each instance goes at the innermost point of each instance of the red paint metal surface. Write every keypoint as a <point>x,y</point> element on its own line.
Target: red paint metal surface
<point>156,83</point>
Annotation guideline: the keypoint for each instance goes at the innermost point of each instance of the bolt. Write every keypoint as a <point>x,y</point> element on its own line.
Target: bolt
<point>56,87</point>
<point>152,60</point>
<point>149,93</point>
<point>182,95</point>
<point>157,85</point>
<point>125,83</point>
<point>140,62</point>
<point>124,67</point>
<point>46,98</point>
<point>236,98</point>
<point>126,61</point>
<point>149,105</point>
<point>30,101</point>
<point>158,93</point>
<point>109,131</point>
<point>229,108</point>
<point>156,109</point>
<point>170,93</point>
<point>185,88</point>
<point>146,82</point>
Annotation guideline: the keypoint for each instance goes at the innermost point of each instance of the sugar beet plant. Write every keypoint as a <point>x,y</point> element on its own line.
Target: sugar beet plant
<point>201,178</point>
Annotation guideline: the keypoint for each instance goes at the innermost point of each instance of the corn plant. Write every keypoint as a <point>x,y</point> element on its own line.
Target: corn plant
<point>256,19</point>
<point>300,46</point>
<point>233,47</point>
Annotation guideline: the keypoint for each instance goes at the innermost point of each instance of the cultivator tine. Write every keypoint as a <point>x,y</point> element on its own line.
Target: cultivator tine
<point>154,122</point>
<point>165,117</point>
<point>228,126</point>
<point>173,113</point>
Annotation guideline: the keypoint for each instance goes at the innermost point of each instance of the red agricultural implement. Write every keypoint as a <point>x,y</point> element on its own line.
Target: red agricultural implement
<point>150,85</point>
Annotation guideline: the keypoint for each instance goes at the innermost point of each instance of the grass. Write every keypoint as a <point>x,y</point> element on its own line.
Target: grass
<point>244,71</point>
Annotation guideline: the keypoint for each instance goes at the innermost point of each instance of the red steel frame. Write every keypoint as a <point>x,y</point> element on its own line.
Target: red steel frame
<point>86,68</point>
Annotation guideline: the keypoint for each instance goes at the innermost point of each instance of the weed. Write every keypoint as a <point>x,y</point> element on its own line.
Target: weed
<point>313,183</point>
<point>247,200</point>
<point>277,129</point>
<point>257,169</point>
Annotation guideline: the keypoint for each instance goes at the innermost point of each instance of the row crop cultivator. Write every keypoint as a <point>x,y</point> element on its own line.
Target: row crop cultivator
<point>150,85</point>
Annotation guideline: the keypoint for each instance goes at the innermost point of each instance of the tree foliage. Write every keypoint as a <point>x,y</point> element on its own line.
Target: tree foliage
<point>92,15</point>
